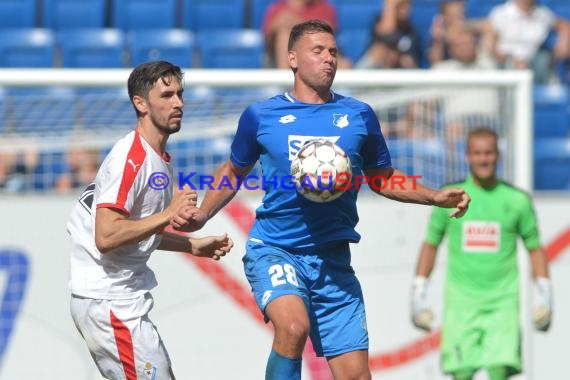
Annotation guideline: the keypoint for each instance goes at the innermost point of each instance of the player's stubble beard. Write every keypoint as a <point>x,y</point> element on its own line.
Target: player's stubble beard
<point>164,126</point>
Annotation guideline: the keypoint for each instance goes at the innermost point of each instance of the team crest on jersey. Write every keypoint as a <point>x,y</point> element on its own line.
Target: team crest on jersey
<point>481,237</point>
<point>340,120</point>
<point>150,371</point>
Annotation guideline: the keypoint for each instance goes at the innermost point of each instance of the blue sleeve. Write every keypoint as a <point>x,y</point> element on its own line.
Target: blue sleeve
<point>245,149</point>
<point>374,151</point>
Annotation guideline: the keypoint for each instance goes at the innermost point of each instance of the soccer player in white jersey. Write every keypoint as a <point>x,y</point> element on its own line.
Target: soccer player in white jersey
<point>119,221</point>
<point>297,258</point>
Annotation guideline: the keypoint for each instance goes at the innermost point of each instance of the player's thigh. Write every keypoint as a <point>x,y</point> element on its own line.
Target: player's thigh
<point>463,334</point>
<point>503,339</point>
<point>273,273</point>
<point>121,338</point>
<point>350,365</point>
<point>338,316</point>
<point>289,316</point>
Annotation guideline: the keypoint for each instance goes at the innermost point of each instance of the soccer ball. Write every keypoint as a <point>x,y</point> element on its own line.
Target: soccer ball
<point>315,169</point>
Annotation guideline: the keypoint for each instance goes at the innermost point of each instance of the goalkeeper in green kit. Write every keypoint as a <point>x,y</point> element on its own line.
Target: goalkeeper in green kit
<point>481,328</point>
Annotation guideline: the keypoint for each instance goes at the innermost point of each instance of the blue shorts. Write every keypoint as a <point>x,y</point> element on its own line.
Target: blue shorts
<point>327,284</point>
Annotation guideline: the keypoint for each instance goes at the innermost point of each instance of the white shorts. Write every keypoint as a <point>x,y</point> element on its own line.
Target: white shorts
<point>121,338</point>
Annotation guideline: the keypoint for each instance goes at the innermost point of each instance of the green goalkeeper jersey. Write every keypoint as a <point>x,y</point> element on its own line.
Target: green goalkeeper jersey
<point>482,262</point>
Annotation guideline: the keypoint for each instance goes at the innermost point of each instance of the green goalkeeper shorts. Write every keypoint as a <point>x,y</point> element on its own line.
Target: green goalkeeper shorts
<point>482,337</point>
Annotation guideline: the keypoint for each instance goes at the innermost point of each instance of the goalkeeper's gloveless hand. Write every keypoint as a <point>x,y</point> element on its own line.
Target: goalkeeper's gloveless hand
<point>542,314</point>
<point>422,316</point>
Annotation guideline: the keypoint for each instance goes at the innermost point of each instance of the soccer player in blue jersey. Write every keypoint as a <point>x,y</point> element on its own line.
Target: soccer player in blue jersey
<point>297,256</point>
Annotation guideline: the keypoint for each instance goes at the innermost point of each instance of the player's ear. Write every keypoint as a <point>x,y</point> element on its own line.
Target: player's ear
<point>292,58</point>
<point>140,104</point>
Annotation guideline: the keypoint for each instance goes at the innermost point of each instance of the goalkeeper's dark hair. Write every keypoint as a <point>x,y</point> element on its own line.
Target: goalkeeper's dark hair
<point>308,27</point>
<point>145,75</point>
<point>483,131</point>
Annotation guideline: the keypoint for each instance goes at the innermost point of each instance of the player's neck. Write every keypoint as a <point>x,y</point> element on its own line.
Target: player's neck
<point>486,183</point>
<point>154,137</point>
<point>310,95</point>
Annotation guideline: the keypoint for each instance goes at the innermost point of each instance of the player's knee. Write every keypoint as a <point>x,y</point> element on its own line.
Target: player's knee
<point>293,330</point>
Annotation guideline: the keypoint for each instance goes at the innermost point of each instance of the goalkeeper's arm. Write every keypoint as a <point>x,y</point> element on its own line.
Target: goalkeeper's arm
<point>421,313</point>
<point>543,304</point>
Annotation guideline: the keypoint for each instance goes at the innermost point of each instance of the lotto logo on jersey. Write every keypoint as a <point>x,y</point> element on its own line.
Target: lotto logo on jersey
<point>295,142</point>
<point>481,237</point>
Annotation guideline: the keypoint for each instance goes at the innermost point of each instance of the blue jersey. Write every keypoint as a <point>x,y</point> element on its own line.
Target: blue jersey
<point>273,131</point>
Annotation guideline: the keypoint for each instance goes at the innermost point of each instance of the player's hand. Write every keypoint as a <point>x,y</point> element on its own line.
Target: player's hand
<point>542,313</point>
<point>181,199</point>
<point>188,219</point>
<point>214,247</point>
<point>422,316</point>
<point>454,197</point>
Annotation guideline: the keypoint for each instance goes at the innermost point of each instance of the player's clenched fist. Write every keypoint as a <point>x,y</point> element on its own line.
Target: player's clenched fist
<point>212,246</point>
<point>188,219</point>
<point>182,198</point>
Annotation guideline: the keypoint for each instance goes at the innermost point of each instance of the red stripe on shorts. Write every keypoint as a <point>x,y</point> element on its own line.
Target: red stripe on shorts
<point>124,343</point>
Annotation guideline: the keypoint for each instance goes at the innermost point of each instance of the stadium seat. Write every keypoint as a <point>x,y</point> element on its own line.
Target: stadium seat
<point>41,110</point>
<point>66,14</point>
<point>227,48</point>
<point>3,111</point>
<point>18,13</point>
<point>560,7</point>
<point>481,8</point>
<point>199,15</point>
<point>257,12</point>
<point>174,45</point>
<point>28,47</point>
<point>353,43</point>
<point>552,164</point>
<point>102,48</point>
<point>357,14</point>
<point>422,16</point>
<point>142,14</point>
<point>551,118</point>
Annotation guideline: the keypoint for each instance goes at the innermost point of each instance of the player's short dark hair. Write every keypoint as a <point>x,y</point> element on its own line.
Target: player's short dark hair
<point>483,131</point>
<point>145,75</point>
<point>310,26</point>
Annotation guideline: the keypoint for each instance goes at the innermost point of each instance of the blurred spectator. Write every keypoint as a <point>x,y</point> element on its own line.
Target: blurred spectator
<point>464,108</point>
<point>17,164</point>
<point>280,18</point>
<point>83,165</point>
<point>395,41</point>
<point>517,32</point>
<point>451,13</point>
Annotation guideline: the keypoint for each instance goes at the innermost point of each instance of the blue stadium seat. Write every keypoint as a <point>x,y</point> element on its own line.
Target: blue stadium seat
<point>481,8</point>
<point>142,14</point>
<point>3,111</point>
<point>174,45</point>
<point>66,14</point>
<point>560,7</point>
<point>41,110</point>
<point>18,13</point>
<point>198,15</point>
<point>552,164</point>
<point>551,117</point>
<point>227,48</point>
<point>357,14</point>
<point>353,43</point>
<point>28,47</point>
<point>103,48</point>
<point>257,12</point>
<point>422,16</point>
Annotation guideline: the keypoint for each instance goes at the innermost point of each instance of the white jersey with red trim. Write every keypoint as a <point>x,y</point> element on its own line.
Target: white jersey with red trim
<point>122,183</point>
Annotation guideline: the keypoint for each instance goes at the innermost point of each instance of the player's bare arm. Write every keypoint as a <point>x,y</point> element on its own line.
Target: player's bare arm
<point>114,229</point>
<point>190,219</point>
<point>409,191</point>
<point>214,247</point>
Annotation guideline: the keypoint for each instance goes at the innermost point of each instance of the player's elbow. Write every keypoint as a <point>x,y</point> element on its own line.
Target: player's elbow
<point>103,244</point>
